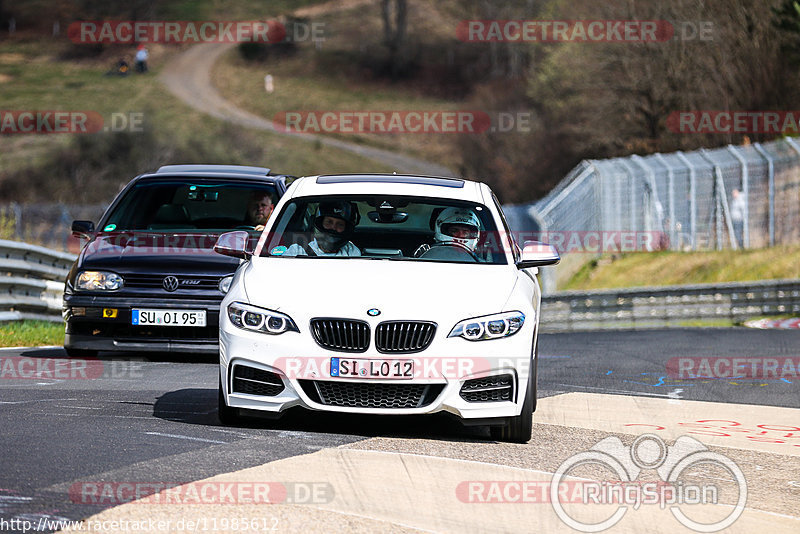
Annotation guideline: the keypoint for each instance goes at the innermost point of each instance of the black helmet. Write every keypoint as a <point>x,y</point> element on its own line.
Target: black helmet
<point>345,211</point>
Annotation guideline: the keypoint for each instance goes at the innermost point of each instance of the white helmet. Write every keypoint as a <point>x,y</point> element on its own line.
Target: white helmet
<point>445,231</point>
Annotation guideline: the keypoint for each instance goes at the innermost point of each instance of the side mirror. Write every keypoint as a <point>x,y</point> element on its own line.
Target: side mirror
<point>536,254</point>
<point>82,229</point>
<point>234,244</point>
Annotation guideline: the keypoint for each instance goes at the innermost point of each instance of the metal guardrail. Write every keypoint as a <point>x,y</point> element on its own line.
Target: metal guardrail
<point>31,281</point>
<point>31,287</point>
<point>653,307</point>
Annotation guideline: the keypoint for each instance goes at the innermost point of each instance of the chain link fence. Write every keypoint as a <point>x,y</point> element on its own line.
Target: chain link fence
<point>733,197</point>
<point>47,225</point>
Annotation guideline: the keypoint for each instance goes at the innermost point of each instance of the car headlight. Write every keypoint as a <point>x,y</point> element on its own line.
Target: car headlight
<point>98,281</point>
<point>261,320</point>
<point>489,326</point>
<point>225,284</point>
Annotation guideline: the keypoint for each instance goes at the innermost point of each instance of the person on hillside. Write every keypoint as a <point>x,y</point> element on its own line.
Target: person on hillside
<point>142,55</point>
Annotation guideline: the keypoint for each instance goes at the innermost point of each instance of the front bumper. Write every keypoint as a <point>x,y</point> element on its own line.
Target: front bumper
<point>297,362</point>
<point>93,331</point>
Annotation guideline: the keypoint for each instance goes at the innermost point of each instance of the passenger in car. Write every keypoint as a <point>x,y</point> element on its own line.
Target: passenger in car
<point>334,223</point>
<point>259,208</point>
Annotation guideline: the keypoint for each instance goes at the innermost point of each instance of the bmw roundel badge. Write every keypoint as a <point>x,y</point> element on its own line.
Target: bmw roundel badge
<point>374,312</point>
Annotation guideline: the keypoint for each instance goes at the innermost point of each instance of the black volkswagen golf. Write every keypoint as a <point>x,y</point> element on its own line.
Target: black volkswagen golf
<point>148,278</point>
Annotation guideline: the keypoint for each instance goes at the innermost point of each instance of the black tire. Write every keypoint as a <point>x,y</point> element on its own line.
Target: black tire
<point>80,353</point>
<point>520,428</point>
<point>227,416</point>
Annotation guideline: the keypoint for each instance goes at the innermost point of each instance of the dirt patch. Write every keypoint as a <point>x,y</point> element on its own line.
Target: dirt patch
<point>11,58</point>
<point>5,78</point>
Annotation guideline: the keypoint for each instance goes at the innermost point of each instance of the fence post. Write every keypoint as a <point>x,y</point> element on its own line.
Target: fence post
<point>721,203</point>
<point>692,198</point>
<point>671,196</point>
<point>631,194</point>
<point>17,220</point>
<point>794,145</point>
<point>745,193</point>
<point>771,174</point>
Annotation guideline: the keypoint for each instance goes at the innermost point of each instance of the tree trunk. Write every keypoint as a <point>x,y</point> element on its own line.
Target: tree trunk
<point>394,32</point>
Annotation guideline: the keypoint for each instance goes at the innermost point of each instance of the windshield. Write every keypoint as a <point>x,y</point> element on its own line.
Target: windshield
<point>400,228</point>
<point>191,205</point>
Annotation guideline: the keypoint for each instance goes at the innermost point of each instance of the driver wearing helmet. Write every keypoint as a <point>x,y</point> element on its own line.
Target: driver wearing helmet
<point>334,223</point>
<point>459,227</point>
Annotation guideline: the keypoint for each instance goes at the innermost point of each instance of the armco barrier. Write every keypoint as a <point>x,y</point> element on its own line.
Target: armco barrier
<point>31,281</point>
<point>653,307</point>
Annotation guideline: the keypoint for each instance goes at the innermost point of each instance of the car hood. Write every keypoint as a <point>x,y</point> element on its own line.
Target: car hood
<point>127,252</point>
<point>399,289</point>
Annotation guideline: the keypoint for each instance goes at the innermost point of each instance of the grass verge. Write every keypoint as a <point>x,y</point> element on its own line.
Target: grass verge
<point>328,78</point>
<point>31,334</point>
<point>87,168</point>
<point>681,268</point>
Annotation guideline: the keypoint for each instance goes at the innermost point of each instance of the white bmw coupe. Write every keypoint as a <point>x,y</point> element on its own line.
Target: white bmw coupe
<point>384,294</point>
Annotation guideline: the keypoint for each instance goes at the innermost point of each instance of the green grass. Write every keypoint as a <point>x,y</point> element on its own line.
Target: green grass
<point>681,268</point>
<point>323,79</point>
<point>31,334</point>
<point>36,79</point>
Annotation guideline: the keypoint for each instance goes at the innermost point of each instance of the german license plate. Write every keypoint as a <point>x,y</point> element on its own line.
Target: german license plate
<point>147,317</point>
<point>372,368</point>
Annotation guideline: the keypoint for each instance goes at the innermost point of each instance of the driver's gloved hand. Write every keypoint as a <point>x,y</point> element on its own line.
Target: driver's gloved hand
<point>422,249</point>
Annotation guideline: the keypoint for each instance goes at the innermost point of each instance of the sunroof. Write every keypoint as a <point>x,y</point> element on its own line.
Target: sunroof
<point>391,178</point>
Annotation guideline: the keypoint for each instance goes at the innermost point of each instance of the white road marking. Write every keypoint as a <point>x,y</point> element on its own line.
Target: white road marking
<point>178,436</point>
<point>625,392</point>
<point>36,400</point>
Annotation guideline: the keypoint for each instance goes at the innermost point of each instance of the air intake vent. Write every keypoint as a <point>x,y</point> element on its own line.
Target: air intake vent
<point>343,335</point>
<point>254,381</point>
<point>397,337</point>
<point>364,395</point>
<point>488,389</point>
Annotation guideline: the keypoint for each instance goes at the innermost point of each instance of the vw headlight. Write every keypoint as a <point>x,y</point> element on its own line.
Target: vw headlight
<point>98,281</point>
<point>225,284</point>
<point>489,326</point>
<point>257,319</point>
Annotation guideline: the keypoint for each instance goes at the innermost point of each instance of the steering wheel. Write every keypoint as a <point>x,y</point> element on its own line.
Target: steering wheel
<point>245,227</point>
<point>456,247</point>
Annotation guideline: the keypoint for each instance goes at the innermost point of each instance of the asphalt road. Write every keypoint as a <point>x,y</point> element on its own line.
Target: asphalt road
<point>154,418</point>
